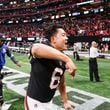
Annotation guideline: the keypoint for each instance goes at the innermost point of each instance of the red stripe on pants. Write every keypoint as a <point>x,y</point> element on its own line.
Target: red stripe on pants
<point>26,103</point>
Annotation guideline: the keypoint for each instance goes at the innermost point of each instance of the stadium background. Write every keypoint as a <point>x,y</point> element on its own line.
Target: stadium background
<point>24,21</point>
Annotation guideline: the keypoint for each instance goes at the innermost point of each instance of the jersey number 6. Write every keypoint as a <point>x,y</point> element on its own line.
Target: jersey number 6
<point>55,78</point>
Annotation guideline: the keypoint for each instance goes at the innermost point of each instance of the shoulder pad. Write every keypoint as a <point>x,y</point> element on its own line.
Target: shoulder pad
<point>42,40</point>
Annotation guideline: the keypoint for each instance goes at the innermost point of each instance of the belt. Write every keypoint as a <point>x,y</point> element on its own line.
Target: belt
<point>93,58</point>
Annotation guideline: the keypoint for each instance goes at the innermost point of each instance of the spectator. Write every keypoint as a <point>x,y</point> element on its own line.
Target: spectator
<point>75,52</point>
<point>93,66</point>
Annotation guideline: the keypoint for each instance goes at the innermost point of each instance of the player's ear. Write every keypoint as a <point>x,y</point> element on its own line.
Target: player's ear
<point>53,39</point>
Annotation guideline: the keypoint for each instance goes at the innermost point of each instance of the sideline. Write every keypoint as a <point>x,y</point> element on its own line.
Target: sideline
<point>86,54</point>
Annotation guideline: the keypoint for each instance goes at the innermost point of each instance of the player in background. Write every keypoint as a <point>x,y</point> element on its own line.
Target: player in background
<point>4,50</point>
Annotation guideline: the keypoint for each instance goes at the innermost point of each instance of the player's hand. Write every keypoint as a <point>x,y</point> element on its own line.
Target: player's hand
<point>71,68</point>
<point>18,64</point>
<point>67,106</point>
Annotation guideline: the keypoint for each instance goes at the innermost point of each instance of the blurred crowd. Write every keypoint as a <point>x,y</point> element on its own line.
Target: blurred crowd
<point>22,14</point>
<point>96,26</point>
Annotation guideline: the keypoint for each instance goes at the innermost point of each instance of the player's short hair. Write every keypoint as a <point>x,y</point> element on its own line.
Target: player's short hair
<point>51,31</point>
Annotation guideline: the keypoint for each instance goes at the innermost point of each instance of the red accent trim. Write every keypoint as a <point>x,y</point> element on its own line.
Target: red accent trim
<point>26,103</point>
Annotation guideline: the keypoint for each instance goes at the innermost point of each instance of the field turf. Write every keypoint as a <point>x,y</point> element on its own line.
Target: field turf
<point>80,81</point>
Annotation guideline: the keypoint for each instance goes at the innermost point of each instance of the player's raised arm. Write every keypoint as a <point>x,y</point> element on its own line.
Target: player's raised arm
<point>44,51</point>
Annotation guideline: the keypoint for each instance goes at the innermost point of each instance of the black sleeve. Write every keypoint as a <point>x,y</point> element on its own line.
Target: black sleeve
<point>9,54</point>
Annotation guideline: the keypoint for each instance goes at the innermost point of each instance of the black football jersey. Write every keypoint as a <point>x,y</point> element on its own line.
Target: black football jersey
<point>44,79</point>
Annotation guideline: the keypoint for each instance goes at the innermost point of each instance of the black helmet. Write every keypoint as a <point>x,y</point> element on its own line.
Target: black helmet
<point>2,37</point>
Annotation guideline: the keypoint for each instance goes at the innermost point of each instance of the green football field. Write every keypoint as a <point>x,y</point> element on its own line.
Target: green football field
<point>80,81</point>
